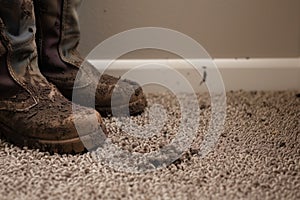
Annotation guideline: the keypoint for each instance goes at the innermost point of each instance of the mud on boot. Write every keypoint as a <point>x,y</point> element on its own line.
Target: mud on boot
<point>32,111</point>
<point>58,36</point>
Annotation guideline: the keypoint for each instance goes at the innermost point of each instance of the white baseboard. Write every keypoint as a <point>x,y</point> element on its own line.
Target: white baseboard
<point>238,74</point>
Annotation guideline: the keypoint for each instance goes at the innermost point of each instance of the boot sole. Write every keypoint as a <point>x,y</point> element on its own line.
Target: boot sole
<point>67,146</point>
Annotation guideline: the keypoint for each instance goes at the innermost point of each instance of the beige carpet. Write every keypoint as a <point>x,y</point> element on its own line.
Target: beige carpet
<point>257,157</point>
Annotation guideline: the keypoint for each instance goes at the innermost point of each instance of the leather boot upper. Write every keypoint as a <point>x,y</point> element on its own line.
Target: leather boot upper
<point>34,113</point>
<point>18,50</point>
<point>58,37</point>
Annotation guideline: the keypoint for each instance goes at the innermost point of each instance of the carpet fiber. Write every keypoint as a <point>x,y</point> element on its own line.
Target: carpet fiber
<point>256,157</point>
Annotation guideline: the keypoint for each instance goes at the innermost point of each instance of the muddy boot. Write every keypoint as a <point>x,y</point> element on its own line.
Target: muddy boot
<point>32,111</point>
<point>57,38</point>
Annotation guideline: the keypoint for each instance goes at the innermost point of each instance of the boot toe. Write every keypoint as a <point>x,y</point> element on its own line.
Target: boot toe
<point>114,93</point>
<point>82,130</point>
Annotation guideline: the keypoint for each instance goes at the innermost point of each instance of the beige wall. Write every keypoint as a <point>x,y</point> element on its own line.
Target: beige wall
<point>226,28</point>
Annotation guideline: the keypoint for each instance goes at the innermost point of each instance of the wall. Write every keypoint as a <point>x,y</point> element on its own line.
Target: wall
<point>226,28</point>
